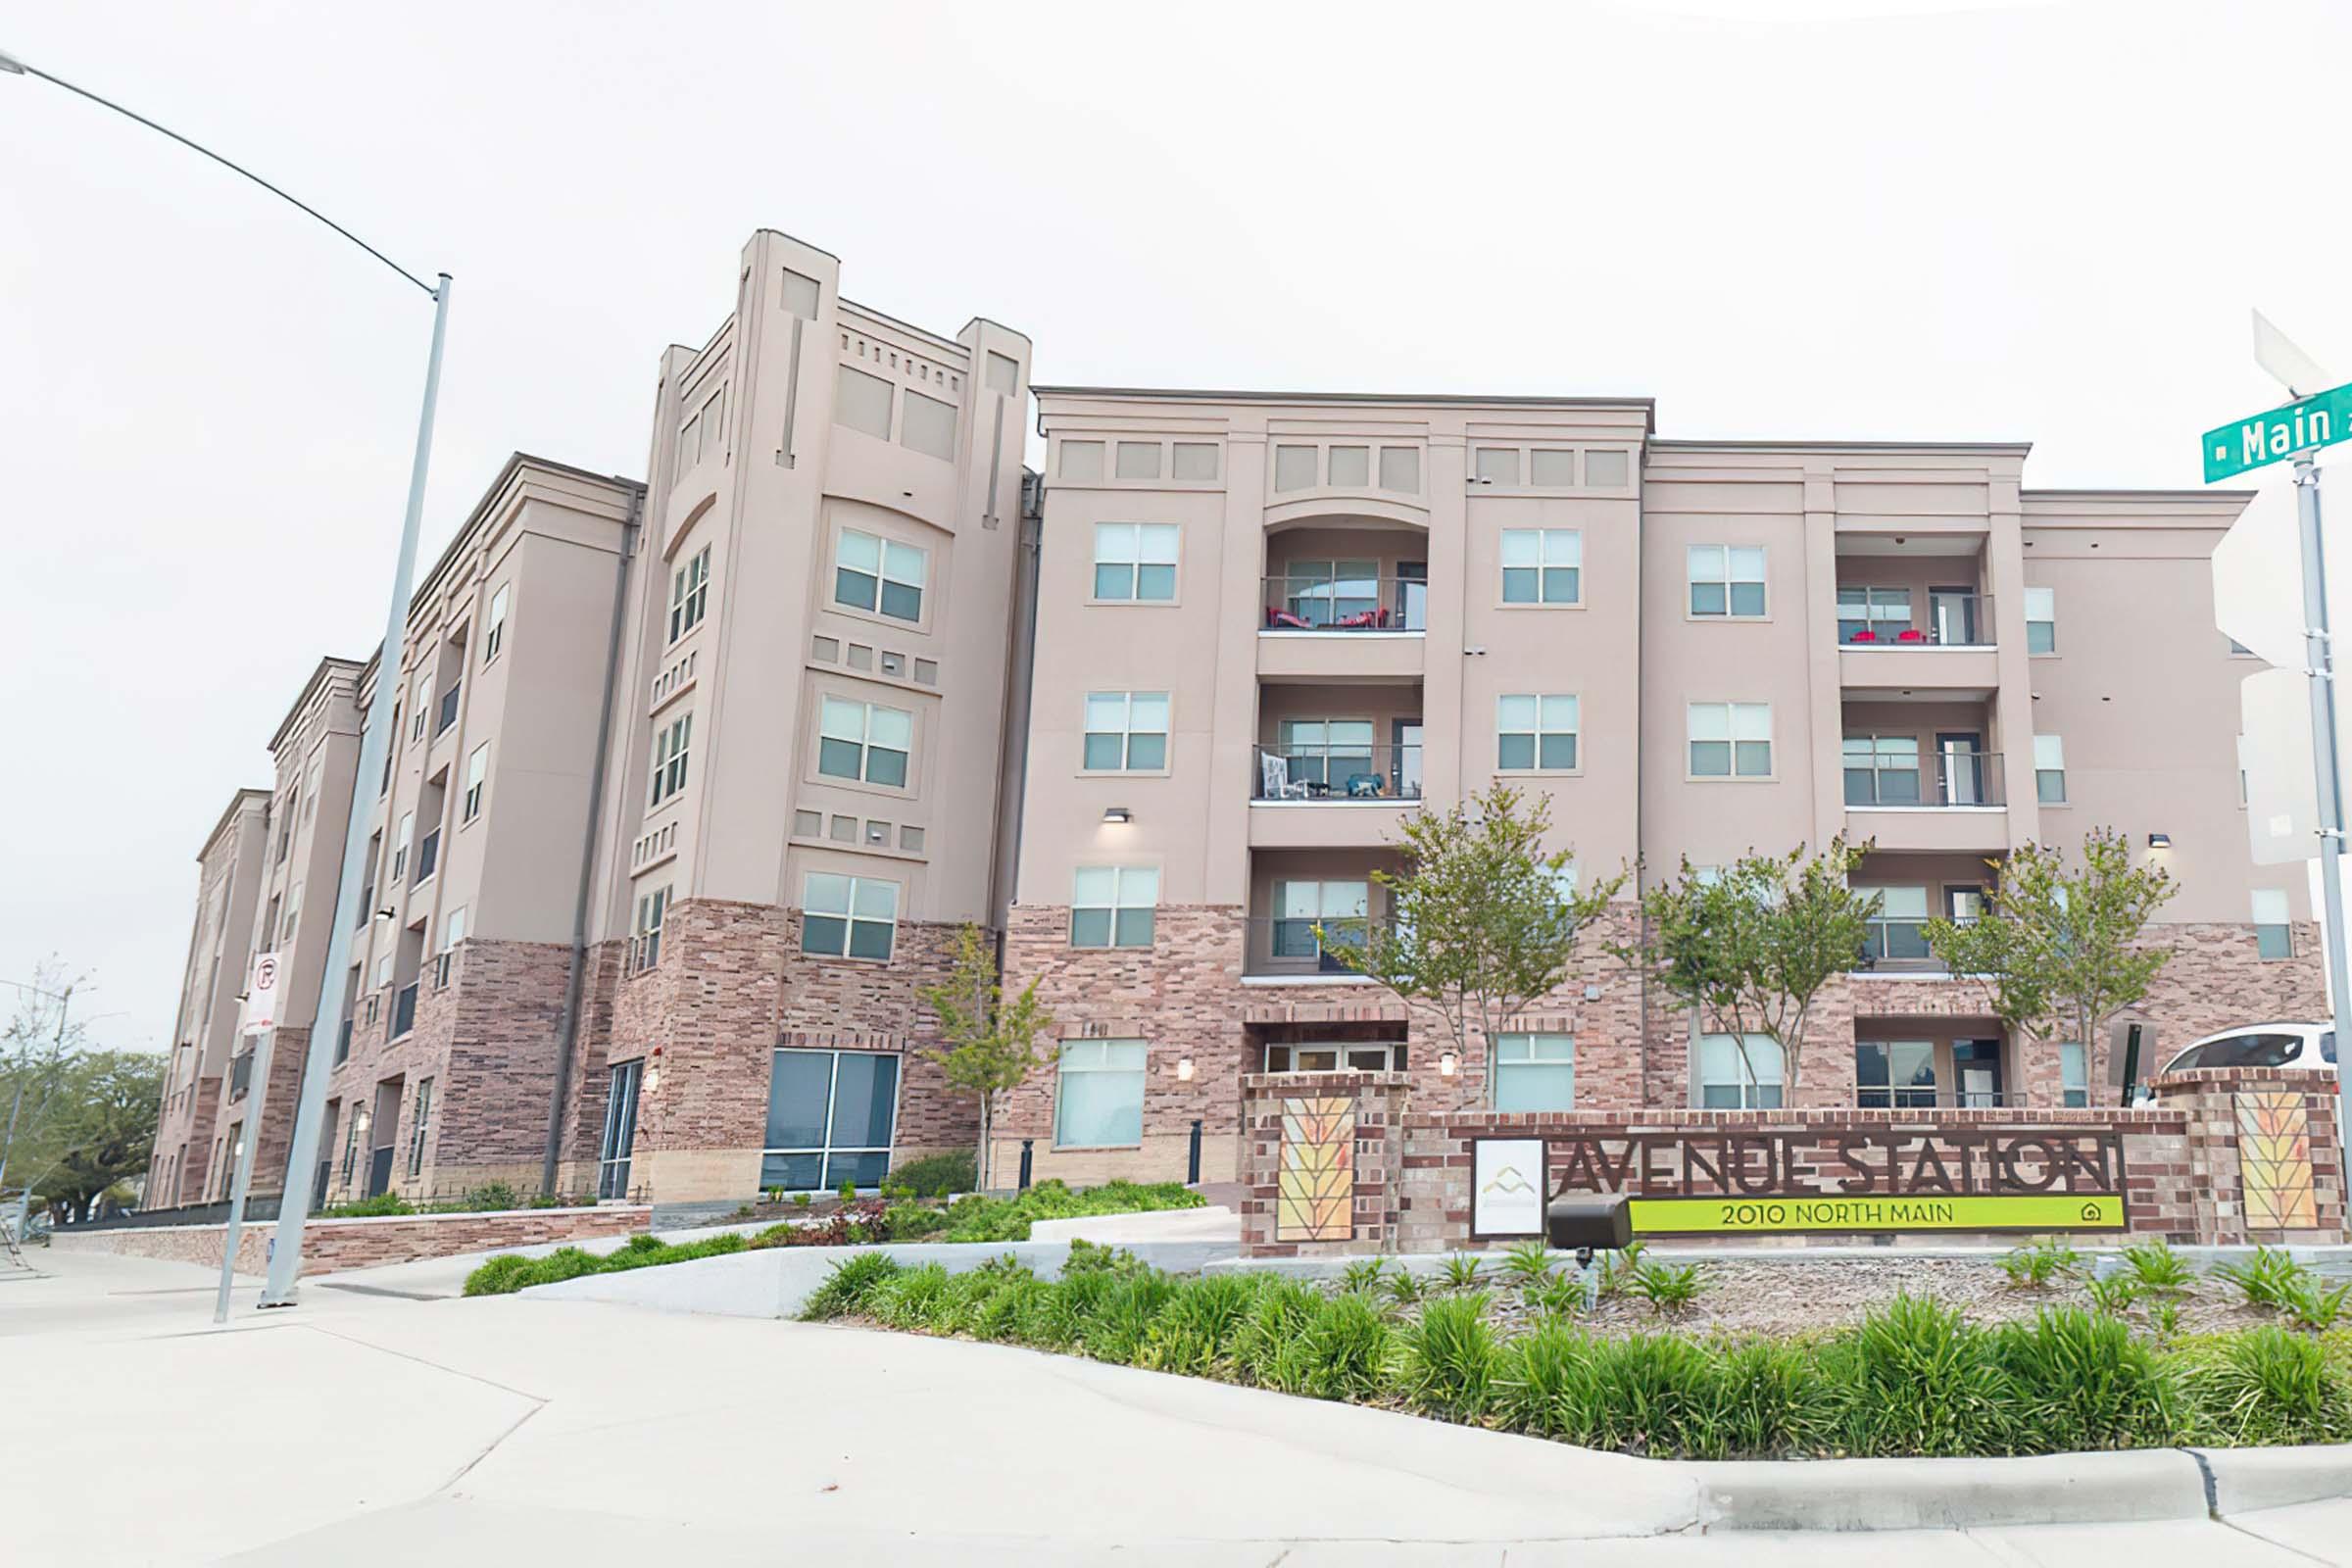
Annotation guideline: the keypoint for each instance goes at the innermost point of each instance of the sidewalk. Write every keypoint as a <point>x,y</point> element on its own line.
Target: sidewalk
<point>374,1429</point>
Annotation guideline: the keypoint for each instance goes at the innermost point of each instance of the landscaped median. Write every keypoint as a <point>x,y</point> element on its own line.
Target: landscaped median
<point>972,1218</point>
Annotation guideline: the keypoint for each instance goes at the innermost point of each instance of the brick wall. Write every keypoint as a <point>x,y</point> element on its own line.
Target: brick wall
<point>329,1246</point>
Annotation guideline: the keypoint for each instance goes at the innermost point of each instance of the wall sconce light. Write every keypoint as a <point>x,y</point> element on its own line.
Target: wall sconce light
<point>385,914</point>
<point>2160,840</point>
<point>1117,813</point>
<point>1184,1069</point>
<point>653,1080</point>
<point>1448,1063</point>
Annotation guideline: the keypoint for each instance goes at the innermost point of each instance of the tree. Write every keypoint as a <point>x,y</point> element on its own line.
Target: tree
<point>2057,949</point>
<point>39,1042</point>
<point>1748,951</point>
<point>992,1044</point>
<point>1481,922</point>
<point>104,1131</point>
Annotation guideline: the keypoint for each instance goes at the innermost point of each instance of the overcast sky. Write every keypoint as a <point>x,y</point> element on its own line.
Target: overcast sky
<point>1780,219</point>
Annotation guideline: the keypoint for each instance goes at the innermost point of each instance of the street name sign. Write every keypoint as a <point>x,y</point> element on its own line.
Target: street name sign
<point>2320,421</point>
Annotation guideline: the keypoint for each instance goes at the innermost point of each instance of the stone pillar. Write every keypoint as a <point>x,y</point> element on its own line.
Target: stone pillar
<point>2262,1141</point>
<point>1322,1157</point>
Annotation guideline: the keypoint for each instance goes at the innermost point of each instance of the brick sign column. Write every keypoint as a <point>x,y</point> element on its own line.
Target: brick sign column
<point>1321,1155</point>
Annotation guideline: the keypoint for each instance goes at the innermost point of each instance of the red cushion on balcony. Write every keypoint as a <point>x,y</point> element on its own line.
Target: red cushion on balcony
<point>1866,637</point>
<point>1913,636</point>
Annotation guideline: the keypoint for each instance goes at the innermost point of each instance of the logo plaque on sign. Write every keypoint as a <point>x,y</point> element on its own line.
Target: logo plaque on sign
<point>1506,1188</point>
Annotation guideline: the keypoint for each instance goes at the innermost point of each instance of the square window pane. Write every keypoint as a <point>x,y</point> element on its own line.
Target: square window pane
<point>1559,752</point>
<point>1139,884</point>
<point>2040,637</point>
<point>841,721</point>
<point>826,934</point>
<point>1755,759</point>
<point>1082,460</point>
<point>1148,710</point>
<point>905,564</point>
<point>839,759</point>
<point>1534,1085</point>
<point>796,1098</point>
<point>853,588</point>
<point>1114,541</point>
<point>1105,711</point>
<point>1105,753</point>
<point>1710,721</point>
<point>1498,465</point>
<point>1515,712</point>
<point>827,894</point>
<point>1558,712</point>
<point>794,1173</point>
<point>1134,928</point>
<point>1515,752</point>
<point>1401,469</point>
<point>1099,1106</point>
<point>1519,585</point>
<point>884,766</point>
<point>1747,563</point>
<point>1195,460</point>
<point>902,603</point>
<point>1560,585</point>
<point>929,427</point>
<point>1707,599</point>
<point>862,1170</point>
<point>1747,597</point>
<point>1711,759</point>
<point>1522,546</point>
<point>1156,583</point>
<point>1351,467</point>
<point>869,939</point>
<point>890,726</point>
<point>876,901</point>
<point>1147,753</point>
<point>1114,581</point>
<point>1155,543</point>
<point>1552,467</point>
<point>1093,884</point>
<point>864,1090</point>
<point>1294,468</point>
<point>1139,460</point>
<point>1090,928</point>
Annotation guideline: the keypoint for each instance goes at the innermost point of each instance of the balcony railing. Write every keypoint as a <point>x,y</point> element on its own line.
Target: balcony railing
<point>1944,779</point>
<point>1895,618</point>
<point>404,1011</point>
<point>1323,600</point>
<point>1896,942</point>
<point>429,855</point>
<point>449,708</point>
<point>1293,946</point>
<point>1365,773</point>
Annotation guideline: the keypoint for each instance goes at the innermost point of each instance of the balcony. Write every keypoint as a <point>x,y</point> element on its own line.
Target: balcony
<point>404,1011</point>
<point>449,709</point>
<point>1888,638</point>
<point>429,855</point>
<point>1341,617</point>
<point>1303,948</point>
<point>1952,802</point>
<point>1330,794</point>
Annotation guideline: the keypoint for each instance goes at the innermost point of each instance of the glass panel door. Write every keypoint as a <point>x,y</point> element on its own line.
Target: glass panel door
<point>1963,756</point>
<point>620,1130</point>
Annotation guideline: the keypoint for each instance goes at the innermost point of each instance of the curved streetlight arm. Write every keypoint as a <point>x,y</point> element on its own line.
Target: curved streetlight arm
<point>11,65</point>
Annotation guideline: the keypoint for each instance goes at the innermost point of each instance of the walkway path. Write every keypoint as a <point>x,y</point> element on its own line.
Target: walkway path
<point>362,1428</point>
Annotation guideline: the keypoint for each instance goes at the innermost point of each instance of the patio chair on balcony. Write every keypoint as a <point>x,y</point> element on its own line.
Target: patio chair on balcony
<point>1274,781</point>
<point>1280,620</point>
<point>1366,786</point>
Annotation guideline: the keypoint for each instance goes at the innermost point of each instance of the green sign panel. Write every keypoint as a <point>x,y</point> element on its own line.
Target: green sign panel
<point>1825,1211</point>
<point>2272,437</point>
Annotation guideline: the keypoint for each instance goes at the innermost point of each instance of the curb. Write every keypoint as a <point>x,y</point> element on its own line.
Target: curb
<point>1857,1494</point>
<point>2246,1480</point>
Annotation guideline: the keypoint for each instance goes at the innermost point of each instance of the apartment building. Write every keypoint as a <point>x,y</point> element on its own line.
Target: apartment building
<point>808,798</point>
<point>188,1161</point>
<point>444,1070</point>
<point>1271,627</point>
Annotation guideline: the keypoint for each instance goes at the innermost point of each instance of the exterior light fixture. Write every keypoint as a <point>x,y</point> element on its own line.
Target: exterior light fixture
<point>1448,1063</point>
<point>1117,813</point>
<point>2160,840</point>
<point>385,914</point>
<point>1184,1069</point>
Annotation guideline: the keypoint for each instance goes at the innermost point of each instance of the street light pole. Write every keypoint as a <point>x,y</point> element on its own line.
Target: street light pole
<point>376,740</point>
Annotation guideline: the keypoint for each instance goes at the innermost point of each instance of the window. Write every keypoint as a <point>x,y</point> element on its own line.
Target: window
<point>1325,751</point>
<point>1882,769</point>
<point>1345,594</point>
<point>881,575</point>
<point>1899,930</point>
<point>620,1128</point>
<point>848,917</point>
<point>1195,460</point>
<point>1337,1055</point>
<point>864,741</point>
<point>1340,908</point>
<point>689,593</point>
<point>1867,615</point>
<point>1535,1072</point>
<point>1294,468</point>
<point>1350,467</point>
<point>1726,580</point>
<point>1542,565</point>
<point>645,937</point>
<point>1126,732</point>
<point>1551,469</point>
<point>351,1148</point>
<point>2274,936</point>
<point>1608,470</point>
<point>929,427</point>
<point>1731,740</point>
<point>1740,1072</point>
<point>2042,620</point>
<point>1894,1074</point>
<point>2049,769</point>
<point>2074,1075</point>
<point>830,1119</point>
<point>1111,906</point>
<point>453,932</point>
<point>1534,733</point>
<point>1401,469</point>
<point>1082,460</point>
<point>1100,1100</point>
<point>1136,459</point>
<point>477,769</point>
<point>861,402</point>
<point>669,759</point>
<point>421,705</point>
<point>1135,561</point>
<point>400,844</point>
<point>418,1124</point>
<point>494,635</point>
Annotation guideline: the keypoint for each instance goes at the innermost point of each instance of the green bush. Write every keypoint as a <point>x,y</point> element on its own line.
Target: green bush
<point>1544,1383</point>
<point>2083,1382</point>
<point>846,1290</point>
<point>1776,1400</point>
<point>911,1297</point>
<point>2039,1266</point>
<point>1462,1270</point>
<point>1527,1262</point>
<point>2267,1279</point>
<point>500,1276</point>
<point>1275,1328</point>
<point>2159,1268</point>
<point>1450,1358</point>
<point>2268,1386</point>
<point>1924,1382</point>
<point>938,1175</point>
<point>376,1208</point>
<point>1196,1332</point>
<point>1120,1324</point>
<point>1665,1287</point>
<point>2309,1305</point>
<point>1007,1219</point>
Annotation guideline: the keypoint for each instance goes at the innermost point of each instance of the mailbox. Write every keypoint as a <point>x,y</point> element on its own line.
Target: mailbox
<point>1589,1223</point>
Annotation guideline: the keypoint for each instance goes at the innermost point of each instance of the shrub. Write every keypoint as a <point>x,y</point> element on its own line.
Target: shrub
<point>847,1290</point>
<point>1197,1330</point>
<point>2308,1304</point>
<point>2159,1268</point>
<point>491,1195</point>
<point>2116,1294</point>
<point>2269,1386</point>
<point>1667,1288</point>
<point>1007,1219</point>
<point>1121,1323</point>
<point>1616,1270</point>
<point>1462,1270</point>
<point>1061,1315</point>
<point>499,1276</point>
<point>1450,1358</point>
<point>1404,1287</point>
<point>564,1263</point>
<point>909,1221</point>
<point>376,1208</point>
<point>939,1175</point>
<point>2039,1266</point>
<point>1008,1312</point>
<point>1922,1382</point>
<point>2267,1279</point>
<point>1527,1262</point>
<point>1656,1393</point>
<point>1362,1274</point>
<point>800,1200</point>
<point>1089,1257</point>
<point>1777,1402</point>
<point>1276,1325</point>
<point>1348,1350</point>
<point>849,1192</point>
<point>2083,1382</point>
<point>911,1297</point>
<point>1558,1295</point>
<point>1543,1386</point>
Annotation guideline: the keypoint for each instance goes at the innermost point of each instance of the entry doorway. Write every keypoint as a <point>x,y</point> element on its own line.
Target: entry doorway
<point>1977,1073</point>
<point>385,1133</point>
<point>1952,616</point>
<point>1960,768</point>
<point>1404,770</point>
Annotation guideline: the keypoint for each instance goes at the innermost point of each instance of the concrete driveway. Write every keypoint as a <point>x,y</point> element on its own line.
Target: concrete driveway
<point>362,1428</point>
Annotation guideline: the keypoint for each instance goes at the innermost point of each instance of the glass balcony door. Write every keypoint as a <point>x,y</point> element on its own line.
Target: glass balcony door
<point>1340,908</point>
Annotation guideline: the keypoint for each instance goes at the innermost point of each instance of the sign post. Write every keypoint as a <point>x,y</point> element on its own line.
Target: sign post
<point>2292,434</point>
<point>259,1019</point>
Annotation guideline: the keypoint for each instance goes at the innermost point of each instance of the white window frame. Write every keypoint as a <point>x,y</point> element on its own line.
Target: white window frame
<point>453,932</point>
<point>1126,731</point>
<point>421,1118</point>
<point>2041,610</point>
<point>1335,899</point>
<point>645,934</point>
<point>889,567</point>
<point>1545,553</point>
<point>2073,1073</point>
<point>1286,1056</point>
<point>673,744</point>
<point>689,594</point>
<point>1754,1091</point>
<point>1725,571</point>
<point>2274,924</point>
<point>420,697</point>
<point>1093,1057</point>
<point>2049,760</point>
<point>1130,888</point>
<point>1536,1049</point>
<point>1537,717</point>
<point>400,846</point>
<point>1740,721</point>
<point>477,773</point>
<point>847,721</point>
<point>848,913</point>
<point>494,632</point>
<point>1128,548</point>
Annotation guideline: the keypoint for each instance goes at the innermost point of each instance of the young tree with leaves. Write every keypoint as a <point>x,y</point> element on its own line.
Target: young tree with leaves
<point>1748,951</point>
<point>104,1131</point>
<point>2058,948</point>
<point>991,1044</point>
<point>1481,922</point>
